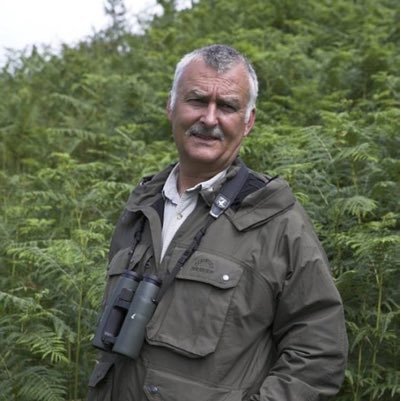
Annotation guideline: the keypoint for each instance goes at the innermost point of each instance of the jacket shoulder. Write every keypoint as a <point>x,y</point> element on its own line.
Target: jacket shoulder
<point>262,198</point>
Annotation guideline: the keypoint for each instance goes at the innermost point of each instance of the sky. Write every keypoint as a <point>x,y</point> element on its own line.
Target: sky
<point>51,22</point>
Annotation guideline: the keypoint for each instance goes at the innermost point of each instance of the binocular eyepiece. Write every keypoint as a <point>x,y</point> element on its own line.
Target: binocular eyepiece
<point>121,327</point>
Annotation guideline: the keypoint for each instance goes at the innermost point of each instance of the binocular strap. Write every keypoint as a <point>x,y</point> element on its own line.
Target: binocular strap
<point>221,203</point>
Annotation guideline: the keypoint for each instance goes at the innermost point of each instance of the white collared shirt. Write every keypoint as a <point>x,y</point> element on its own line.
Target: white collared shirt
<point>178,207</point>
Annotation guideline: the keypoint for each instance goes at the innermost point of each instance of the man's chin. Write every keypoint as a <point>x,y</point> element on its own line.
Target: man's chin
<point>202,158</point>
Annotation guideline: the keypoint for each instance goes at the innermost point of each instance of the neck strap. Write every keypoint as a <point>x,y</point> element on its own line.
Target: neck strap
<point>222,202</point>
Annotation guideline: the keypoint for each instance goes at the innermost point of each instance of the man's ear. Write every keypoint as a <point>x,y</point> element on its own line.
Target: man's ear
<point>250,123</point>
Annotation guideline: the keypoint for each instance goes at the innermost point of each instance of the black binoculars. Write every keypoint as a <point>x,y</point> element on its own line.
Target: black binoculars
<point>121,326</point>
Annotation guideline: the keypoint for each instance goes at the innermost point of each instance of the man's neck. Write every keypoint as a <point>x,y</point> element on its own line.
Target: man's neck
<point>188,179</point>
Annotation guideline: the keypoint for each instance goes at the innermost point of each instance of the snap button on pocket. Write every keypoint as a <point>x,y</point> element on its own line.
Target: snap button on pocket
<point>226,277</point>
<point>152,389</point>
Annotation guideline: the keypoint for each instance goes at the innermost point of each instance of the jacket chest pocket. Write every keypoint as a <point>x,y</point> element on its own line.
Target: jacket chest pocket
<point>191,316</point>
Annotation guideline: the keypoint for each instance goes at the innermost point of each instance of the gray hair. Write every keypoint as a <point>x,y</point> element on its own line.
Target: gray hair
<point>222,58</point>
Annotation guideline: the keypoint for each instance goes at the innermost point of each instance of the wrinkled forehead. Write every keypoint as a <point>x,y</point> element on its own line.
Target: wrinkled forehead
<point>201,77</point>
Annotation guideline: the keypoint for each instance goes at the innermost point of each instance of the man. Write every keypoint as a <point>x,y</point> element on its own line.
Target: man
<point>250,311</point>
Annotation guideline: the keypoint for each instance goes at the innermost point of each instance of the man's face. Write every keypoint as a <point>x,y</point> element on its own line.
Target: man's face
<point>208,117</point>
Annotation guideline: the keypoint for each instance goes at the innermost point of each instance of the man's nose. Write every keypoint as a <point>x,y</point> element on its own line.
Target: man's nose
<point>209,117</point>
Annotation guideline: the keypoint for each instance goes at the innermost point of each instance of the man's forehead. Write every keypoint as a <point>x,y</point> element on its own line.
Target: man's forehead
<point>200,78</point>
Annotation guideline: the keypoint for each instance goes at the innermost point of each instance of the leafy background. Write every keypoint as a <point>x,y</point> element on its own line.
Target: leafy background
<point>80,127</point>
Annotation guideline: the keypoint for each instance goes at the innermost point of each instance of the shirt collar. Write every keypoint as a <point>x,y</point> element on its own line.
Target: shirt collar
<point>170,186</point>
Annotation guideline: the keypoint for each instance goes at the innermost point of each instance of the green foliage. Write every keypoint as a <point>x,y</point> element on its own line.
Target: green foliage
<point>79,129</point>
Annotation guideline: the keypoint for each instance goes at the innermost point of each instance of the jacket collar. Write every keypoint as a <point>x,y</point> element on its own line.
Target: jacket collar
<point>257,208</point>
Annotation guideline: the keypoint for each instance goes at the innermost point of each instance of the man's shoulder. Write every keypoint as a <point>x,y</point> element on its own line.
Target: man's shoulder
<point>149,187</point>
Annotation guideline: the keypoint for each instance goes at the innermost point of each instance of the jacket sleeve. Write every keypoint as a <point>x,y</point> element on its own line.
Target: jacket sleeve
<point>308,330</point>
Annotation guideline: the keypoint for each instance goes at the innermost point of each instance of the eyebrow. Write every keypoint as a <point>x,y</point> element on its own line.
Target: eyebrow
<point>231,100</point>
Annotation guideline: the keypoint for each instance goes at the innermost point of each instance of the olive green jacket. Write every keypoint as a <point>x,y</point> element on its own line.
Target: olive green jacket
<point>253,315</point>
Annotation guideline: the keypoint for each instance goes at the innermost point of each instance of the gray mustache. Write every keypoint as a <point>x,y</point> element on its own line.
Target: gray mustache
<point>200,129</point>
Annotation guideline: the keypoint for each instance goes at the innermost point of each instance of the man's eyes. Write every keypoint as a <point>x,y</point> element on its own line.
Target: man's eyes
<point>197,101</point>
<point>228,107</point>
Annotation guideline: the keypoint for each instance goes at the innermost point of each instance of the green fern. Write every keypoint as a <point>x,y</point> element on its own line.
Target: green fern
<point>79,129</point>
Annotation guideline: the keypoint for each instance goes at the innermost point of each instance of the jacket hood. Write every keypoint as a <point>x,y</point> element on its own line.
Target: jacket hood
<point>262,205</point>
